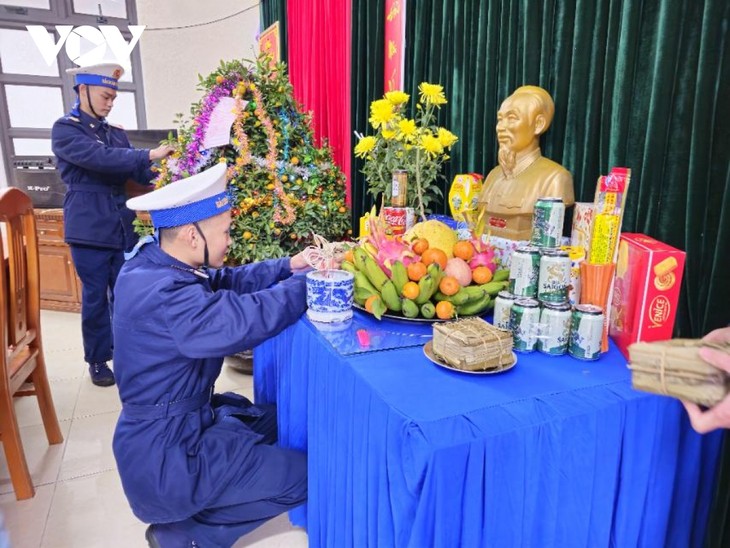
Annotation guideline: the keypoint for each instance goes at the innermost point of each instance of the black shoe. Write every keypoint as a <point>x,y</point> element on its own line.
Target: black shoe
<point>241,362</point>
<point>166,536</point>
<point>101,375</point>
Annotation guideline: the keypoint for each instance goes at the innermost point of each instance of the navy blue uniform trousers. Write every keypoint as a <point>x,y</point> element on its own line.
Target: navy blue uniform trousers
<point>98,269</point>
<point>275,483</point>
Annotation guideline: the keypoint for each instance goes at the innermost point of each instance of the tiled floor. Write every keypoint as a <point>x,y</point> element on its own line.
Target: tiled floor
<point>79,501</point>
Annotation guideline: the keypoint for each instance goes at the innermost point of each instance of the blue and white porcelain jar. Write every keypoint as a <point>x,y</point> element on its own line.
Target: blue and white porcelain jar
<point>329,295</point>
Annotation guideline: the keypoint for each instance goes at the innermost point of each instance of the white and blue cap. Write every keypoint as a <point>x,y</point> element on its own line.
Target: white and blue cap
<point>104,74</point>
<point>186,201</point>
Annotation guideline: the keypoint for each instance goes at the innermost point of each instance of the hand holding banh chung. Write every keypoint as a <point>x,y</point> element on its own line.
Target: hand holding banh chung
<point>719,415</point>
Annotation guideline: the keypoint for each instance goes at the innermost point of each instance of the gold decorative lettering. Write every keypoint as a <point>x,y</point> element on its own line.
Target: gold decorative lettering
<point>659,311</point>
<point>394,11</point>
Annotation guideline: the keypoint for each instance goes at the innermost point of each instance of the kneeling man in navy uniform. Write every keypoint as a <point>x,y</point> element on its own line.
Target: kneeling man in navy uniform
<point>202,468</point>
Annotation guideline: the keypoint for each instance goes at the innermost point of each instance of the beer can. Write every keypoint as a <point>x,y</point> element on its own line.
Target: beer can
<point>547,222</point>
<point>399,189</point>
<point>555,320</point>
<point>524,271</point>
<point>524,318</point>
<point>502,308</point>
<point>554,278</point>
<point>587,332</point>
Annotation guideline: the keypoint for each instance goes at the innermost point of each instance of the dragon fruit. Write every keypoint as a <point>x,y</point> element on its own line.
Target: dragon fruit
<point>484,257</point>
<point>384,248</point>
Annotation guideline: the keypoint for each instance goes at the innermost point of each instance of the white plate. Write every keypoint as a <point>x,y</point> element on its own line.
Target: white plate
<point>428,351</point>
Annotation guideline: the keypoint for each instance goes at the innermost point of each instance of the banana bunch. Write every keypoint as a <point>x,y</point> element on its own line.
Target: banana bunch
<point>387,291</point>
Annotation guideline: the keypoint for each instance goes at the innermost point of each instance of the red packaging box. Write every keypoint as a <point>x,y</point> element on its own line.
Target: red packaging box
<point>645,290</point>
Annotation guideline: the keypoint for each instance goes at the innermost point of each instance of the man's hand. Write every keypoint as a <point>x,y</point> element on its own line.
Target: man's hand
<point>298,262</point>
<point>719,415</point>
<point>162,151</point>
<point>338,258</point>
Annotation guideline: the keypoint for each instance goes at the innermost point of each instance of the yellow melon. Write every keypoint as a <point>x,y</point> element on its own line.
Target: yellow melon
<point>437,233</point>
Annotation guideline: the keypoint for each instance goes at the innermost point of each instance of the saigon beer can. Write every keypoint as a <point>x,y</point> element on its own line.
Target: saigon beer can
<point>555,320</point>
<point>524,271</point>
<point>547,222</point>
<point>586,332</point>
<point>554,279</point>
<point>524,319</point>
<point>399,189</point>
<point>502,308</point>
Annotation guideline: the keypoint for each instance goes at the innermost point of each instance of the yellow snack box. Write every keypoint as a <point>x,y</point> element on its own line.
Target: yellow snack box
<point>464,193</point>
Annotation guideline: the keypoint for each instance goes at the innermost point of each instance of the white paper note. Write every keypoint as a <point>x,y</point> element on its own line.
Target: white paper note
<point>218,132</point>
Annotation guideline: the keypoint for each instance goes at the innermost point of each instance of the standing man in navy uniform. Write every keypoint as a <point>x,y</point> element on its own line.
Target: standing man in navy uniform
<point>202,468</point>
<point>95,160</point>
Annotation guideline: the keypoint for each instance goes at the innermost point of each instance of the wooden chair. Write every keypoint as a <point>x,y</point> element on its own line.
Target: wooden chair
<point>22,365</point>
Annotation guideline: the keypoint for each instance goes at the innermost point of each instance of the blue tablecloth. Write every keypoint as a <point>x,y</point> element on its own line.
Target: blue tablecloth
<point>555,452</point>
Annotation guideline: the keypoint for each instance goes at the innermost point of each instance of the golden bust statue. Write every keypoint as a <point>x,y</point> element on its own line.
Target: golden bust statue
<point>523,175</point>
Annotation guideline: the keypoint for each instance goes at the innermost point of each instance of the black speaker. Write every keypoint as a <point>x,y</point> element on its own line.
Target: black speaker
<point>38,178</point>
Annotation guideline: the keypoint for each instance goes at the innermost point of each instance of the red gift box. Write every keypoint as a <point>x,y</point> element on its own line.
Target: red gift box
<point>645,290</point>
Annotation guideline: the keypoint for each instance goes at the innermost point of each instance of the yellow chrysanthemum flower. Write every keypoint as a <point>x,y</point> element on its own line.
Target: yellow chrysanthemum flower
<point>446,138</point>
<point>389,133</point>
<point>365,145</point>
<point>407,128</point>
<point>381,112</point>
<point>431,145</point>
<point>432,93</point>
<point>397,97</point>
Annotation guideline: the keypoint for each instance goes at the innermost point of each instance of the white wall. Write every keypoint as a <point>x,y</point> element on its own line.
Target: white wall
<point>172,59</point>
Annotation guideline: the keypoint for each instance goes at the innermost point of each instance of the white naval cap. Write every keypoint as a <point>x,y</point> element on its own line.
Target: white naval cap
<point>102,74</point>
<point>194,198</point>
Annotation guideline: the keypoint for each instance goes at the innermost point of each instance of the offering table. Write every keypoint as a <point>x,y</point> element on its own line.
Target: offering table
<point>554,452</point>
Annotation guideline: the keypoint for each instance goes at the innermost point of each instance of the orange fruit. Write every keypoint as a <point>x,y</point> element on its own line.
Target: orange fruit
<point>481,275</point>
<point>369,303</point>
<point>463,250</point>
<point>350,256</point>
<point>416,271</point>
<point>449,285</point>
<point>434,255</point>
<point>445,310</point>
<point>419,246</point>
<point>411,290</point>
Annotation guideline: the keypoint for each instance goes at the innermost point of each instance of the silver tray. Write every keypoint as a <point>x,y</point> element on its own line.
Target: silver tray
<point>395,316</point>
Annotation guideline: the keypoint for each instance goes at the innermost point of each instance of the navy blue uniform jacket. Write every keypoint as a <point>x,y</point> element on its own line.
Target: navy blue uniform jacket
<point>95,160</point>
<point>171,332</point>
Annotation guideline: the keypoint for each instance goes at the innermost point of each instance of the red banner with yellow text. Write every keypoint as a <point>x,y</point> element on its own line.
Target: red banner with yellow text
<point>395,42</point>
<point>270,43</point>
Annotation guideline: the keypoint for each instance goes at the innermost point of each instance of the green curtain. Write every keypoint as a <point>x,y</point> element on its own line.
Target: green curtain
<point>272,11</point>
<point>368,50</point>
<point>642,84</point>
